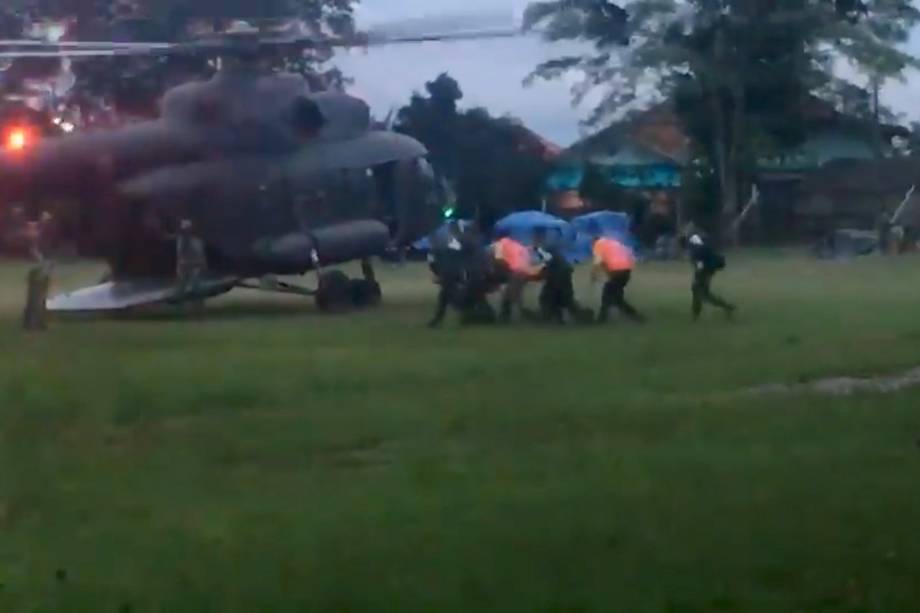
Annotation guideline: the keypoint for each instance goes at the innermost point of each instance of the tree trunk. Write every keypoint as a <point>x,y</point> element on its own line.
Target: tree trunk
<point>736,132</point>
<point>727,128</point>
<point>726,167</point>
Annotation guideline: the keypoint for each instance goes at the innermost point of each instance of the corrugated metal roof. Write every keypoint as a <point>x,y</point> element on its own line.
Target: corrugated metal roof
<point>656,130</point>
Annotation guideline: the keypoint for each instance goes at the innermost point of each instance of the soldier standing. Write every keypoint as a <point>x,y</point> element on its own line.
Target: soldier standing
<point>36,233</point>
<point>191,261</point>
<point>883,227</point>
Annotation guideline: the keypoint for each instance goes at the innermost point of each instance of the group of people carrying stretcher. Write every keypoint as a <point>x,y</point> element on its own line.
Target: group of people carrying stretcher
<point>467,272</point>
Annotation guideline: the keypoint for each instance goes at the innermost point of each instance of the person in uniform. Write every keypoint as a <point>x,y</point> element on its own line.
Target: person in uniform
<point>515,261</point>
<point>191,261</point>
<point>706,263</point>
<point>557,296</point>
<point>614,261</point>
<point>883,227</point>
<point>37,234</point>
<point>462,270</point>
<point>447,267</point>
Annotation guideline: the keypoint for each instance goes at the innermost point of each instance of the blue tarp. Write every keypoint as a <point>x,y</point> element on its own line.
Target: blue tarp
<point>609,224</point>
<point>424,244</point>
<point>607,221</point>
<point>521,226</point>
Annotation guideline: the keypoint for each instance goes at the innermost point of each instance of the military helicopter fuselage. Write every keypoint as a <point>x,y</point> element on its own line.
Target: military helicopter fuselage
<point>271,175</point>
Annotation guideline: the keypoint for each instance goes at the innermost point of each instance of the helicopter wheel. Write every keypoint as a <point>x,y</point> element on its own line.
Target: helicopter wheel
<point>334,292</point>
<point>365,293</point>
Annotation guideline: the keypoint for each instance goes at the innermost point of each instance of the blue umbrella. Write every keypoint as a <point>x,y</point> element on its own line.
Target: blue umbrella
<point>603,223</point>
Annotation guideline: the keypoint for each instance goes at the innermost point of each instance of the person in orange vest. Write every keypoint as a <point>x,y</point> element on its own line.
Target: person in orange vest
<point>616,261</point>
<point>516,261</point>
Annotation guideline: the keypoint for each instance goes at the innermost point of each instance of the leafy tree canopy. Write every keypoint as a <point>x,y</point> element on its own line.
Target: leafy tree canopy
<point>741,72</point>
<point>494,164</point>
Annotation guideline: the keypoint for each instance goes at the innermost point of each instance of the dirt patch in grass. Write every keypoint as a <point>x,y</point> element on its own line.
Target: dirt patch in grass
<point>847,386</point>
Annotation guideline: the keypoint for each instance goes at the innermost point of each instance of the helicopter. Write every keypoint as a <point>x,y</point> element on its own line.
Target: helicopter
<point>276,179</point>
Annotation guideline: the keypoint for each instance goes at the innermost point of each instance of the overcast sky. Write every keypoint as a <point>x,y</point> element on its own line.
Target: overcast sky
<point>491,72</point>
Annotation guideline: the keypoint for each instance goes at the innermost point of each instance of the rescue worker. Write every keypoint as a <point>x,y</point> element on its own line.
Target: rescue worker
<point>191,261</point>
<point>557,296</point>
<point>614,261</point>
<point>462,270</point>
<point>883,228</point>
<point>446,263</point>
<point>36,234</point>
<point>898,240</point>
<point>514,260</point>
<point>706,263</point>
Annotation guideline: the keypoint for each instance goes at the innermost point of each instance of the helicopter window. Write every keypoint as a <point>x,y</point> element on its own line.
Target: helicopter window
<point>307,118</point>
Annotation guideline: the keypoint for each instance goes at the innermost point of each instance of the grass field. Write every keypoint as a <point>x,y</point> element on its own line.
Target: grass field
<point>270,459</point>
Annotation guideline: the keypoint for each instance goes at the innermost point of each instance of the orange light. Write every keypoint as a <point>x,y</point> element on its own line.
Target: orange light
<point>18,137</point>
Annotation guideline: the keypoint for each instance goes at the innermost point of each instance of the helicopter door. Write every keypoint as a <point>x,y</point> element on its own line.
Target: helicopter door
<point>384,205</point>
<point>393,182</point>
<point>406,201</point>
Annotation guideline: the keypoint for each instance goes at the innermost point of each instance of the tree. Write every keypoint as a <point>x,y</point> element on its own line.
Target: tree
<point>433,119</point>
<point>740,71</point>
<point>494,164</point>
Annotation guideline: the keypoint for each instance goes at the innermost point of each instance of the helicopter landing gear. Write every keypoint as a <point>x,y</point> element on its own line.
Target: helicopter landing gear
<point>337,292</point>
<point>366,292</point>
<point>333,293</point>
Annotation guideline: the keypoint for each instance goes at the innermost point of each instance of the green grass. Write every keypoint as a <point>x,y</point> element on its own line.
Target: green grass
<point>268,458</point>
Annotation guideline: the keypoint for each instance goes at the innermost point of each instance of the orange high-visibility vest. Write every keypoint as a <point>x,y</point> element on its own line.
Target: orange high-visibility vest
<point>612,255</point>
<point>514,254</point>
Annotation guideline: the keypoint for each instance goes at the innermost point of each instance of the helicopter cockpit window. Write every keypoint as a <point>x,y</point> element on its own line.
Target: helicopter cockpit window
<point>307,118</point>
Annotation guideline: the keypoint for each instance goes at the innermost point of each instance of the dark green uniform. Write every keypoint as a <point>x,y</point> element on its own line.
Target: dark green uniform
<point>557,296</point>
<point>465,278</point>
<point>706,263</point>
<point>190,262</point>
<point>38,281</point>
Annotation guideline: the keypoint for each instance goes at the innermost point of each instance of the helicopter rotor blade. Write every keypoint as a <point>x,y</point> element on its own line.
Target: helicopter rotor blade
<point>15,49</point>
<point>28,44</point>
<point>75,53</point>
<point>378,40</point>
